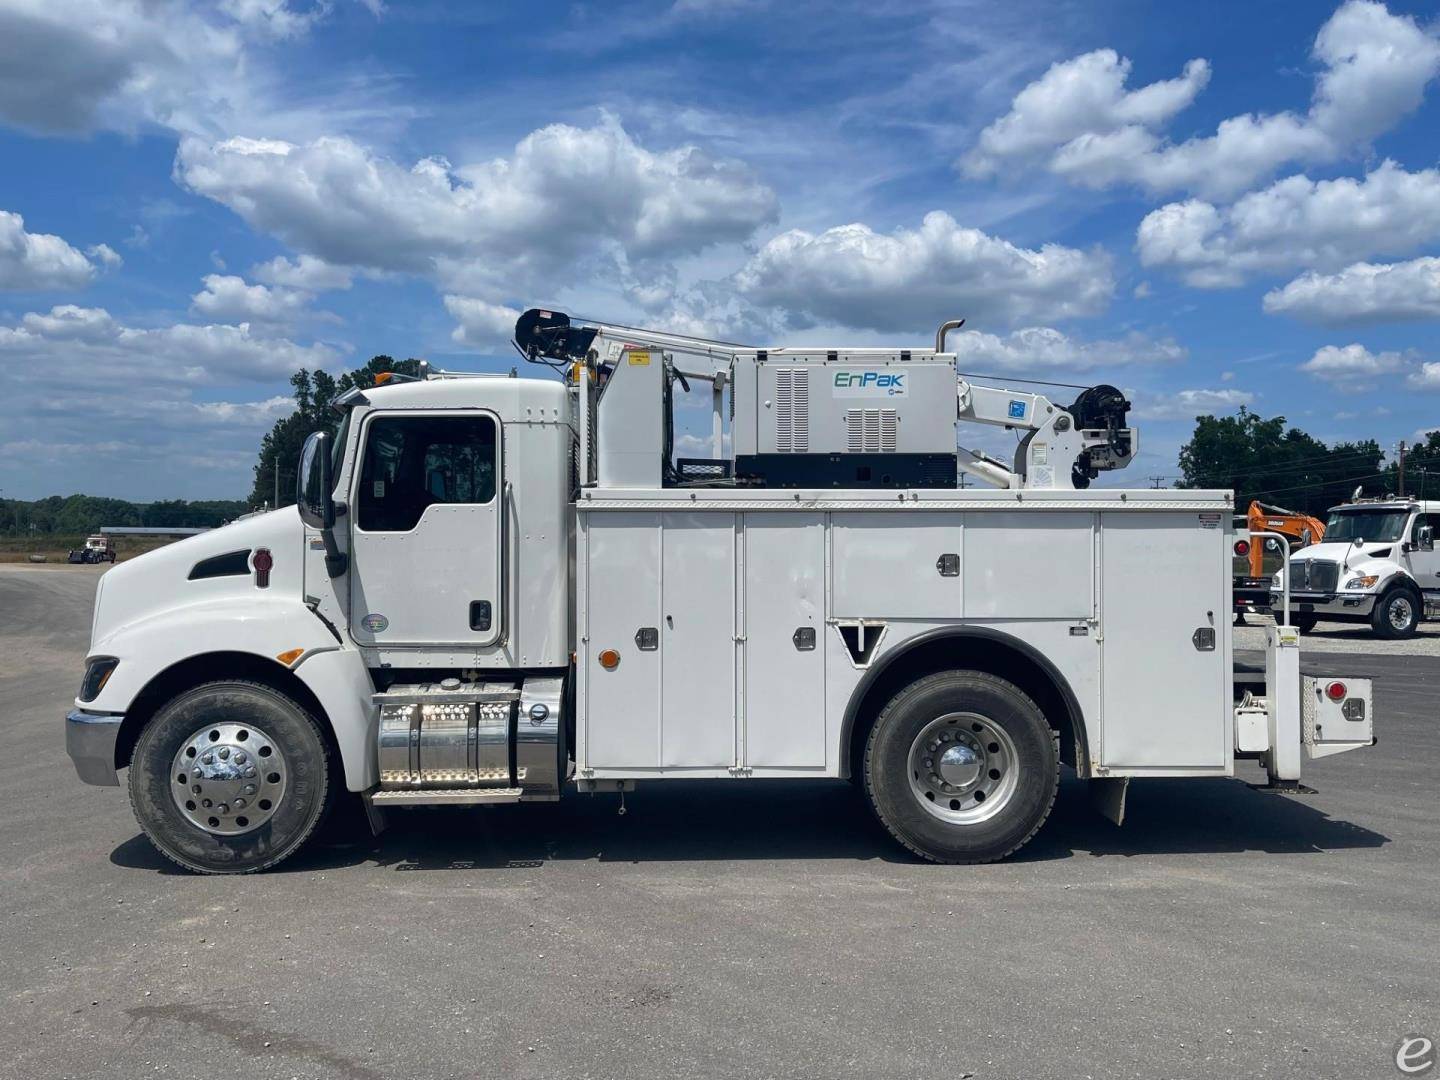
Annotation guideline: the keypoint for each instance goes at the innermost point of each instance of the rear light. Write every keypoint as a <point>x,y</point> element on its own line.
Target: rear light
<point>1242,547</point>
<point>1336,691</point>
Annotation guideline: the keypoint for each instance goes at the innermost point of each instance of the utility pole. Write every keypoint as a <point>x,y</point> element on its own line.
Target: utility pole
<point>1402,468</point>
<point>1157,482</point>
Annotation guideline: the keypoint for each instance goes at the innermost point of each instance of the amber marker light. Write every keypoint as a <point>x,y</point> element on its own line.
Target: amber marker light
<point>609,659</point>
<point>289,656</point>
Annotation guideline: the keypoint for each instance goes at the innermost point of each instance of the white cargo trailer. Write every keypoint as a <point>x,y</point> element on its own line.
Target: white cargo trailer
<point>495,589</point>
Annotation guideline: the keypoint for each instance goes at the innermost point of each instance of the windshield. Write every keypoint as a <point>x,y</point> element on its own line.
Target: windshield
<point>1350,525</point>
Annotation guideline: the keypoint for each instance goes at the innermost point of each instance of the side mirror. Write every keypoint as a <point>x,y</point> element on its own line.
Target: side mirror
<point>1426,538</point>
<point>314,483</point>
<point>314,500</point>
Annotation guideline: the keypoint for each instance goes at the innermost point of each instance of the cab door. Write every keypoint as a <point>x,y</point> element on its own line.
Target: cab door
<point>427,530</point>
<point>1423,562</point>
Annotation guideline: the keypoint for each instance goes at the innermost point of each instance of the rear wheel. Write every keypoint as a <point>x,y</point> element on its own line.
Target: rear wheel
<point>961,767</point>
<point>1397,613</point>
<point>230,778</point>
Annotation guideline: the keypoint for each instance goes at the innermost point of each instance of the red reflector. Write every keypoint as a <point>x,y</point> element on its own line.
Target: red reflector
<point>1335,691</point>
<point>1242,547</point>
<point>263,561</point>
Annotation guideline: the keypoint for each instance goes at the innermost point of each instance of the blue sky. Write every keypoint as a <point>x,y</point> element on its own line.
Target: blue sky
<point>1209,205</point>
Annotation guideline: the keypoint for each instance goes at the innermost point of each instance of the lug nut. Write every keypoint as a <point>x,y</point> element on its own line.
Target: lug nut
<point>239,804</point>
<point>250,772</point>
<point>208,759</point>
<point>239,759</point>
<point>248,789</point>
<point>223,808</point>
<point>224,753</point>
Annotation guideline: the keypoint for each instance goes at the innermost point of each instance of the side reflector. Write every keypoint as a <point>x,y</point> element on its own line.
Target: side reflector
<point>1336,691</point>
<point>609,659</point>
<point>289,656</point>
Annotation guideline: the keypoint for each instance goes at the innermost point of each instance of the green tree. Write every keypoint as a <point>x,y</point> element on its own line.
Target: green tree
<point>1422,469</point>
<point>314,391</point>
<point>1264,459</point>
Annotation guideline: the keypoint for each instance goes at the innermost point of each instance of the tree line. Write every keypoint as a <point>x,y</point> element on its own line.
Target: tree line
<point>74,515</point>
<point>1268,460</point>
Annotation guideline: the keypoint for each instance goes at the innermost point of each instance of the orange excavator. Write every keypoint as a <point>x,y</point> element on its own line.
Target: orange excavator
<point>1252,588</point>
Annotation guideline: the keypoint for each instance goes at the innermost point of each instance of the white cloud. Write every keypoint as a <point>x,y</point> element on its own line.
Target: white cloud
<point>304,272</point>
<point>912,279</point>
<point>34,261</point>
<point>1187,404</point>
<point>105,255</point>
<point>1082,98</point>
<point>1038,348</point>
<point>87,343</point>
<point>1362,293</point>
<point>1296,222</point>
<point>481,324</point>
<point>64,65</point>
<point>1352,363</point>
<point>275,18</point>
<point>231,299</point>
<point>1426,377</point>
<point>565,195</point>
<point>1079,120</point>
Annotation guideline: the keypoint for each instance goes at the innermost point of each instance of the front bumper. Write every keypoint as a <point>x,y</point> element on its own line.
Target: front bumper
<point>1357,604</point>
<point>90,741</point>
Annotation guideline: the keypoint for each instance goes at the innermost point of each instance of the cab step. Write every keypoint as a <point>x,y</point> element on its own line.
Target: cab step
<point>447,797</point>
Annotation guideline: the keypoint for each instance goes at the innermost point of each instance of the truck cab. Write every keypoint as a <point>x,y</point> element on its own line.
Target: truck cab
<point>1375,564</point>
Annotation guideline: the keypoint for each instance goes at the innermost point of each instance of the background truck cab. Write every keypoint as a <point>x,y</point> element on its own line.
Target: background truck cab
<point>1376,563</point>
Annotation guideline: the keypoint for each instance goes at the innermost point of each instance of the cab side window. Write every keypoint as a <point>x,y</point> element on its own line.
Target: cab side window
<point>413,462</point>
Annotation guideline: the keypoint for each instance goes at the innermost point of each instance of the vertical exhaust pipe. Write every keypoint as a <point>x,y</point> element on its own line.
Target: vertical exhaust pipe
<point>945,328</point>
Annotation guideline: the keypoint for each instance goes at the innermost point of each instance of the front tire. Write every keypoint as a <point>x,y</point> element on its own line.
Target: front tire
<point>1396,614</point>
<point>230,778</point>
<point>1304,623</point>
<point>962,767</point>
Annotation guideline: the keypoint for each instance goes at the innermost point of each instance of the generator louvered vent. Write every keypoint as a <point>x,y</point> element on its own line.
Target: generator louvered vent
<point>870,431</point>
<point>792,410</point>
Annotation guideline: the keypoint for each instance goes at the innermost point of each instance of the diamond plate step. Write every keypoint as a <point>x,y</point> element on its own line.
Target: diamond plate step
<point>447,797</point>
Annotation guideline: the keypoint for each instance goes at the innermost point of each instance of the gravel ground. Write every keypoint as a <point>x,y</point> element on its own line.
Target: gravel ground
<point>1336,637</point>
<point>721,929</point>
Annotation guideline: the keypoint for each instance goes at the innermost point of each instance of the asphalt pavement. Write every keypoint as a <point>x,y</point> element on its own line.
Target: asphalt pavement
<point>721,929</point>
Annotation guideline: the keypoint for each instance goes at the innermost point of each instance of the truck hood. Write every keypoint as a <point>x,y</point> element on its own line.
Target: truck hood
<point>160,580</point>
<point>1342,551</point>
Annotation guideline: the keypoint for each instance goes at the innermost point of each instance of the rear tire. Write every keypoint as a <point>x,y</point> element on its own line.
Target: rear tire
<point>962,767</point>
<point>230,778</point>
<point>1397,613</point>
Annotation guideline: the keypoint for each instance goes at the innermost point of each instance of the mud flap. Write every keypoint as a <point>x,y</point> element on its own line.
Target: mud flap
<point>1107,796</point>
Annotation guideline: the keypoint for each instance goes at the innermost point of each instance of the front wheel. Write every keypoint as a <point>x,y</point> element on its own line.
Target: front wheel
<point>1396,614</point>
<point>230,778</point>
<point>962,767</point>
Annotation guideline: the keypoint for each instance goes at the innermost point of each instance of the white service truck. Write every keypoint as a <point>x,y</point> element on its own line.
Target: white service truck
<point>496,588</point>
<point>1376,564</point>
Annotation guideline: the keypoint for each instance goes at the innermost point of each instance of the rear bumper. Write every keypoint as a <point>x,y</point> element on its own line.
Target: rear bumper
<point>90,741</point>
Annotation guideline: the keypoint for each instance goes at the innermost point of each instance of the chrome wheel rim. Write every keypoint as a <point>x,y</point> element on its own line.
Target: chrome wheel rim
<point>228,779</point>
<point>1401,613</point>
<point>963,768</point>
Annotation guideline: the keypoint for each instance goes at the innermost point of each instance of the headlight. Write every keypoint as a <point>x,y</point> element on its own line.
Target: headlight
<point>97,674</point>
<point>1278,581</point>
<point>1366,581</point>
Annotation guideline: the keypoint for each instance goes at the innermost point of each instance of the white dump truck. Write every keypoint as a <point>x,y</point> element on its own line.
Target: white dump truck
<point>495,590</point>
<point>1376,564</point>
